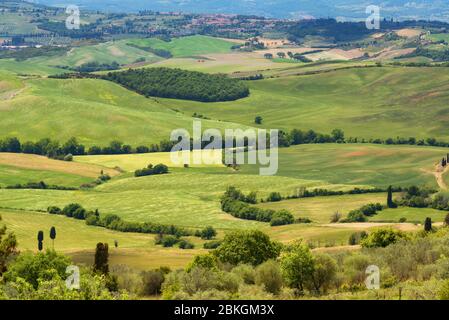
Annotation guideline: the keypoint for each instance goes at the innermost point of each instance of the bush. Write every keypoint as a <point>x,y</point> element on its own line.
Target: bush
<point>208,233</point>
<point>246,272</point>
<point>274,197</point>
<point>152,282</point>
<point>54,210</point>
<point>443,291</point>
<point>269,276</point>
<point>356,237</point>
<point>167,241</point>
<point>382,238</point>
<point>184,244</point>
<point>282,217</point>
<point>68,157</point>
<point>150,170</point>
<point>211,244</point>
<point>70,209</point>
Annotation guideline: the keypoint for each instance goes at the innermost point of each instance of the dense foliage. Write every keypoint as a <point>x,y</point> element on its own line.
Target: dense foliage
<point>180,84</point>
<point>150,170</point>
<point>237,204</point>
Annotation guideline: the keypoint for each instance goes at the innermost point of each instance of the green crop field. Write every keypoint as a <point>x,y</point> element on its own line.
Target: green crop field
<point>78,240</point>
<point>107,52</point>
<point>187,46</point>
<point>320,209</point>
<point>360,164</point>
<point>109,111</point>
<point>353,100</point>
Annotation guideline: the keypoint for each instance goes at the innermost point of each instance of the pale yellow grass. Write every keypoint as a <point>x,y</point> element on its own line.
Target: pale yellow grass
<point>35,162</point>
<point>132,162</point>
<point>408,32</point>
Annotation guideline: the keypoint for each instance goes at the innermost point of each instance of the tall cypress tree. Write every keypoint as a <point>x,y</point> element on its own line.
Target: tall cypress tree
<point>428,225</point>
<point>40,239</point>
<point>101,264</point>
<point>53,235</point>
<point>390,202</point>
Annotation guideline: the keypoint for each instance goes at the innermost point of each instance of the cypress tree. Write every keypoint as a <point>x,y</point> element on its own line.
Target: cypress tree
<point>40,239</point>
<point>53,235</point>
<point>101,264</point>
<point>428,225</point>
<point>390,202</point>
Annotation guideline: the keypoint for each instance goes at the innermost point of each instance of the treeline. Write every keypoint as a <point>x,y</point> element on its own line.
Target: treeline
<point>150,170</point>
<point>96,66</point>
<point>304,193</point>
<point>158,52</point>
<point>435,55</point>
<point>297,137</point>
<point>31,52</point>
<point>238,205</point>
<point>39,185</point>
<point>180,84</point>
<point>114,222</point>
<point>53,149</point>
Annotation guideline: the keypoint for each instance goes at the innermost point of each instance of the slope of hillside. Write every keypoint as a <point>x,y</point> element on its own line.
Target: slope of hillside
<point>94,111</point>
<point>364,102</point>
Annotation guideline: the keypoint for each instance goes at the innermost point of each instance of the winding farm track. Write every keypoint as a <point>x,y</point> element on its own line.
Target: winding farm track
<point>439,173</point>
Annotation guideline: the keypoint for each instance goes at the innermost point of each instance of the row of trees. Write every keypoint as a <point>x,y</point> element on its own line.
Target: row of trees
<point>180,84</point>
<point>150,170</point>
<point>72,147</point>
<point>238,205</point>
<point>114,222</point>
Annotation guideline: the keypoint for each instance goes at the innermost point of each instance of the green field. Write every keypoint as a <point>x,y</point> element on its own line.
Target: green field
<point>109,111</point>
<point>364,102</point>
<point>320,209</point>
<point>187,46</point>
<point>78,240</point>
<point>106,52</point>
<point>359,164</point>
<point>10,175</point>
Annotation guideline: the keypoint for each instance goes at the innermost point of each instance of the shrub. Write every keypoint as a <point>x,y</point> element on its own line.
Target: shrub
<point>382,238</point>
<point>150,170</point>
<point>152,282</point>
<point>54,210</point>
<point>324,272</point>
<point>68,157</point>
<point>282,217</point>
<point>79,214</point>
<point>443,291</point>
<point>205,261</point>
<point>208,233</point>
<point>402,220</point>
<point>269,276</point>
<point>335,217</point>
<point>274,197</point>
<point>356,237</point>
<point>184,244</point>
<point>246,272</point>
<point>70,209</point>
<point>211,244</point>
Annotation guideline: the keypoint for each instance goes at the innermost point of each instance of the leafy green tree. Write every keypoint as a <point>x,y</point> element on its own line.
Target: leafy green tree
<point>268,56</point>
<point>382,238</point>
<point>298,266</point>
<point>8,247</point>
<point>53,236</point>
<point>208,233</point>
<point>338,135</point>
<point>258,120</point>
<point>101,261</point>
<point>249,247</point>
<point>34,268</point>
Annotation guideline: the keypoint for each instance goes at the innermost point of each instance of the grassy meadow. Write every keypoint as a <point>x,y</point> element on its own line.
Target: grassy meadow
<point>375,102</point>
